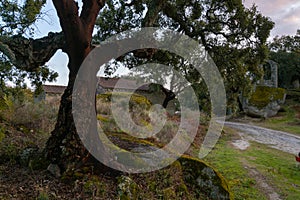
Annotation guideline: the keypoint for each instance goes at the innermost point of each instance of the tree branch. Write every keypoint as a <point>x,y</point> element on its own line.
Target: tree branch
<point>90,12</point>
<point>154,8</point>
<point>30,54</point>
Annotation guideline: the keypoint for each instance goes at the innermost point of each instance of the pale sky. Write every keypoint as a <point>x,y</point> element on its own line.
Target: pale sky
<point>285,14</point>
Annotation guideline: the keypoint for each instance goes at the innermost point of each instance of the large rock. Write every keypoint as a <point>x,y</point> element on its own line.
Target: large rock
<point>186,178</point>
<point>264,102</point>
<point>202,177</point>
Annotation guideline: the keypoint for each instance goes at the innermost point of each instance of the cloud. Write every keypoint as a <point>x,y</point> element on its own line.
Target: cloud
<point>285,14</point>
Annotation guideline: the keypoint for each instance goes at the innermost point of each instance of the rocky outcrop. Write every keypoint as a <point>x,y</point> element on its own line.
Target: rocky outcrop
<point>264,102</point>
<point>268,111</point>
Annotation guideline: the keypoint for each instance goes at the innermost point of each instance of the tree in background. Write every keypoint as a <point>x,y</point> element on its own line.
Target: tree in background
<point>233,35</point>
<point>285,51</point>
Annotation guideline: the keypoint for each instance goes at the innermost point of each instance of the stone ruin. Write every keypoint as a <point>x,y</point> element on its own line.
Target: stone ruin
<point>270,77</point>
<point>274,96</point>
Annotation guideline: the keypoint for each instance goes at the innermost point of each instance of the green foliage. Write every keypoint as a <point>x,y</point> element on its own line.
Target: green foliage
<point>285,51</point>
<point>9,97</point>
<point>264,95</point>
<point>286,43</point>
<point>16,17</point>
<point>43,196</point>
<point>93,186</point>
<point>127,188</point>
<point>2,133</point>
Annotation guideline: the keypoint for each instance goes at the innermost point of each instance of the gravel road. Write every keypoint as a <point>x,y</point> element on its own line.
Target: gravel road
<point>283,141</point>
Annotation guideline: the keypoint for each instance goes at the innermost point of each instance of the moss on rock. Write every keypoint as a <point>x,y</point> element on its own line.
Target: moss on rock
<point>188,178</point>
<point>204,179</point>
<point>264,95</point>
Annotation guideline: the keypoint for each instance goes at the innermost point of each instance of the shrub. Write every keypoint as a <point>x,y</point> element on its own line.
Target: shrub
<point>22,112</point>
<point>136,101</point>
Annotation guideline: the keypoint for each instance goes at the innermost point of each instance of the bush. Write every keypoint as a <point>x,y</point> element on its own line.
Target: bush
<point>138,105</point>
<point>136,102</point>
<point>22,112</point>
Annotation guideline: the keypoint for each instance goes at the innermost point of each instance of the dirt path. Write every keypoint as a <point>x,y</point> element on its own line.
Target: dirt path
<point>276,139</point>
<point>262,183</point>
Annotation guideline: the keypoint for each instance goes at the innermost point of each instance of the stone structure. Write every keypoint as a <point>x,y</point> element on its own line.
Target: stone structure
<point>51,93</point>
<point>271,75</point>
<point>267,97</point>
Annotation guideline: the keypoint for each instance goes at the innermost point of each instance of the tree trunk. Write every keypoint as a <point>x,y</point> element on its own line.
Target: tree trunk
<point>169,96</point>
<point>64,146</point>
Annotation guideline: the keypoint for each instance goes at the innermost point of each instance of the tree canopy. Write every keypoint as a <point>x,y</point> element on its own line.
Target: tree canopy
<point>285,50</point>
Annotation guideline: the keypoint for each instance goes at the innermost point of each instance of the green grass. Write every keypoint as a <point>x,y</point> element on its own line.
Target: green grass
<point>277,167</point>
<point>226,160</point>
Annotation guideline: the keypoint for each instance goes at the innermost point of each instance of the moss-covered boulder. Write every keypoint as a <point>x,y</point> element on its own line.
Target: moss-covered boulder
<point>203,179</point>
<point>186,178</point>
<point>264,102</point>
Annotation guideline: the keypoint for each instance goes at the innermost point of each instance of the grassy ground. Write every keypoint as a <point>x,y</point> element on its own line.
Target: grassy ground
<point>273,168</point>
<point>23,177</point>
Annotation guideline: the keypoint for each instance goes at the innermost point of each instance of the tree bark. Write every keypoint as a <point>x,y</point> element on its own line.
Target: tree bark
<point>169,96</point>
<point>64,146</point>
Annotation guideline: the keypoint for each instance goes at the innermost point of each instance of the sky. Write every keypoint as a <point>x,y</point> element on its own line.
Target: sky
<point>285,14</point>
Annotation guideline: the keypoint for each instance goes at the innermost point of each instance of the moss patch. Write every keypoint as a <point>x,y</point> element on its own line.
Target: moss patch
<point>188,178</point>
<point>263,95</point>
